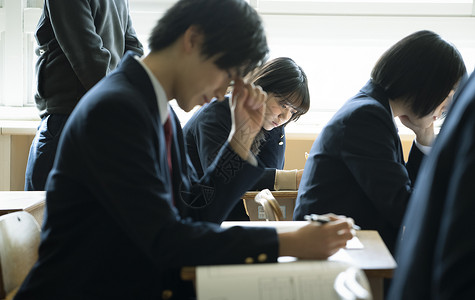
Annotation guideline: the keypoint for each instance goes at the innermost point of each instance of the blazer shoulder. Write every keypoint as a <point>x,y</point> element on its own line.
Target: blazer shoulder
<point>215,115</point>
<point>364,108</point>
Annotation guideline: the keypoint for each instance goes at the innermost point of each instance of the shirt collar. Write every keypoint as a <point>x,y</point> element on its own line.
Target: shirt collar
<point>162,100</point>
<point>394,118</point>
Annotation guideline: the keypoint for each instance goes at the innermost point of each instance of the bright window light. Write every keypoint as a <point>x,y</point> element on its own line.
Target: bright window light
<point>336,42</point>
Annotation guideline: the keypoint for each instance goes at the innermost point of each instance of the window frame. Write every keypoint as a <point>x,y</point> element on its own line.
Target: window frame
<point>367,8</point>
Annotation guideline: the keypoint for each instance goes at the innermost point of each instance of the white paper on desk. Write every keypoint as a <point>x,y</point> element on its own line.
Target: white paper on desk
<point>280,226</point>
<point>298,280</point>
<point>354,243</point>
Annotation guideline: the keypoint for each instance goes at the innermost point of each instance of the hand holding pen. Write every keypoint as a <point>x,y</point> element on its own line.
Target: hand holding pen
<point>314,241</point>
<point>323,219</point>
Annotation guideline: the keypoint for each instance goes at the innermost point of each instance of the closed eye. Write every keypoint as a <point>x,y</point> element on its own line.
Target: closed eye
<point>292,110</point>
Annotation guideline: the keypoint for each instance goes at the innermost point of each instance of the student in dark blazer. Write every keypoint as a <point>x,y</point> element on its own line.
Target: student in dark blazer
<point>436,254</point>
<point>356,166</point>
<point>114,227</point>
<point>208,129</point>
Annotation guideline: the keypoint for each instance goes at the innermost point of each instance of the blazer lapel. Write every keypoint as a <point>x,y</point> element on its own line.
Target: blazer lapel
<point>146,93</point>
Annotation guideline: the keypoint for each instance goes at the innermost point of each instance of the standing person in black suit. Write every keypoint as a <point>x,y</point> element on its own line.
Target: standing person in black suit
<point>113,227</point>
<point>356,165</point>
<point>436,254</point>
<point>79,42</point>
<point>208,129</point>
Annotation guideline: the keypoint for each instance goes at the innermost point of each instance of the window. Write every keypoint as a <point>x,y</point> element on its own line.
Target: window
<point>17,22</point>
<point>367,7</point>
<point>2,50</point>
<point>338,52</point>
<point>336,42</point>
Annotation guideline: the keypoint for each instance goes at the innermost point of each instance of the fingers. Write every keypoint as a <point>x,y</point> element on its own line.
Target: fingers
<point>334,217</point>
<point>315,241</point>
<point>238,84</point>
<point>336,237</point>
<point>253,97</point>
<point>257,97</point>
<point>342,228</point>
<point>239,93</point>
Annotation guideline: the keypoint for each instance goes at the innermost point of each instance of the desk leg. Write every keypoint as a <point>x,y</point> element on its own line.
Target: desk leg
<point>377,287</point>
<point>5,164</point>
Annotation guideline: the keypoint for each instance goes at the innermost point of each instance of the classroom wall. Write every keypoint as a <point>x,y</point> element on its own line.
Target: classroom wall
<point>297,145</point>
<point>20,147</point>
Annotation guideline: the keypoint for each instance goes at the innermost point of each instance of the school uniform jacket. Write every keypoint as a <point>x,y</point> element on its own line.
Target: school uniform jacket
<point>436,255</point>
<point>112,230</point>
<point>356,167</point>
<point>206,132</point>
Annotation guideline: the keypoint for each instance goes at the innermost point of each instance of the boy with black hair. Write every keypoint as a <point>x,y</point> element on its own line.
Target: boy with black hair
<point>114,227</point>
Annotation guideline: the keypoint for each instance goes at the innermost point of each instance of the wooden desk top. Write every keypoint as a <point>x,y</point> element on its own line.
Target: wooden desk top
<point>20,200</point>
<point>374,259</point>
<point>32,202</point>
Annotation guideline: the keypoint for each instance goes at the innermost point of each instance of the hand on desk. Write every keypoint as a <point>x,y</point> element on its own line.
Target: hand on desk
<point>316,241</point>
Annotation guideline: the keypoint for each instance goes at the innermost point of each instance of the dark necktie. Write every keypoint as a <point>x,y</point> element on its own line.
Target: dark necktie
<point>167,127</point>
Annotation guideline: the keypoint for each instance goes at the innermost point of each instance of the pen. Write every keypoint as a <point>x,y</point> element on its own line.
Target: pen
<point>324,219</point>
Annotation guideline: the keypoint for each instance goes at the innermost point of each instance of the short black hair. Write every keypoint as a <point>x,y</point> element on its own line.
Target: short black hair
<point>286,80</point>
<point>232,29</point>
<point>422,69</point>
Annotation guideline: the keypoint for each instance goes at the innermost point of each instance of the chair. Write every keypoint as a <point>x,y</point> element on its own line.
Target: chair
<point>270,205</point>
<point>352,284</point>
<point>19,241</point>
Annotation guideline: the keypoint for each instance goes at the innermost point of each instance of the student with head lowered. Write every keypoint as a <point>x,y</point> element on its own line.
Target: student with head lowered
<point>114,227</point>
<point>356,166</point>
<point>288,98</point>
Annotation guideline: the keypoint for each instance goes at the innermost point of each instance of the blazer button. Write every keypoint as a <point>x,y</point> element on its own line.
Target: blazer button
<point>262,257</point>
<point>167,294</point>
<point>249,260</point>
<point>281,143</point>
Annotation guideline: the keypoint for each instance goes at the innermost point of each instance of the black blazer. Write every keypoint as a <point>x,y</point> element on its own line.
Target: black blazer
<point>111,229</point>
<point>356,167</point>
<point>436,257</point>
<point>207,131</point>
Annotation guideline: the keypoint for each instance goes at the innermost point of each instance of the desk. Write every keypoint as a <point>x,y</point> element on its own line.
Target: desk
<point>286,201</point>
<point>374,259</point>
<point>32,202</point>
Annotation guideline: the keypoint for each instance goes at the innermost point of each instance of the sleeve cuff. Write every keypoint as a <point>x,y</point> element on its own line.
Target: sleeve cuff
<point>285,180</point>
<point>251,159</point>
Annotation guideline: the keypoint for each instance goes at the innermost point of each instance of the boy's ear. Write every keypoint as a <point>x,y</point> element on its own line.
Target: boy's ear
<point>193,38</point>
